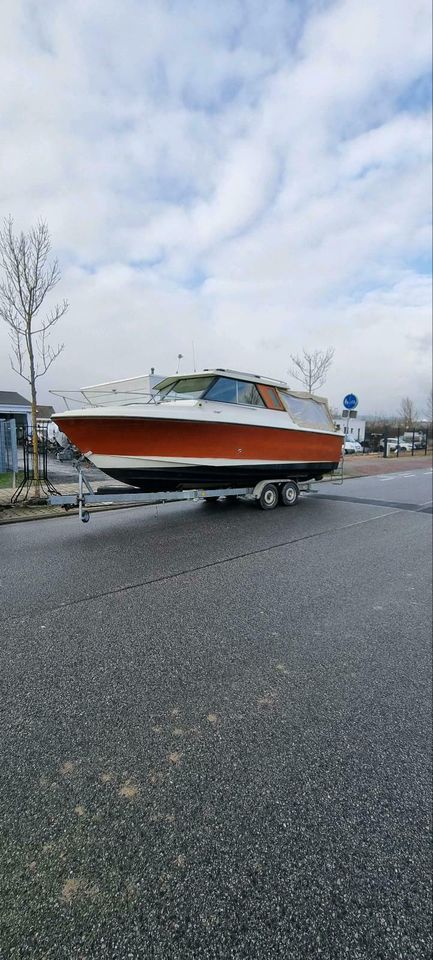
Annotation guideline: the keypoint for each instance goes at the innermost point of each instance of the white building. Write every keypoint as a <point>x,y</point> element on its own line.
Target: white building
<point>351,424</point>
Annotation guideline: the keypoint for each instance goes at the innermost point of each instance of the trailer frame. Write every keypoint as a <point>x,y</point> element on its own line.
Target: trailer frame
<point>110,496</point>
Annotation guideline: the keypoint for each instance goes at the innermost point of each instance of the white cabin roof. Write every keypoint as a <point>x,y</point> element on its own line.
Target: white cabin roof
<point>221,372</point>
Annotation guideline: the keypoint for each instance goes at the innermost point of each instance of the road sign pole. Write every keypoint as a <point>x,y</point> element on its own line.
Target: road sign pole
<point>350,402</point>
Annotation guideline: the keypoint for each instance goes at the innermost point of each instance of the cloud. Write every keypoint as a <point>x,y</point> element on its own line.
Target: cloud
<point>248,176</point>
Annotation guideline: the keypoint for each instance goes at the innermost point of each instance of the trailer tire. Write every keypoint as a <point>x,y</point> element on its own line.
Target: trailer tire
<point>289,493</point>
<point>268,498</point>
<point>85,516</point>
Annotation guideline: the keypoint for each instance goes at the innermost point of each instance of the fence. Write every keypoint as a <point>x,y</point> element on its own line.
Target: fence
<point>397,444</point>
<point>8,446</point>
<point>27,485</point>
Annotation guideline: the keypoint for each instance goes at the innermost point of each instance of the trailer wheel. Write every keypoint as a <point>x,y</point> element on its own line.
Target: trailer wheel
<point>85,516</point>
<point>289,493</point>
<point>268,498</point>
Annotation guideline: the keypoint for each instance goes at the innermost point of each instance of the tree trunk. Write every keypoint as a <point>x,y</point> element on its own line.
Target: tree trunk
<point>35,438</point>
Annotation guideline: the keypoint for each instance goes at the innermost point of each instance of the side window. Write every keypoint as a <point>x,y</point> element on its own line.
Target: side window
<point>270,397</point>
<point>227,390</point>
<point>307,412</point>
<point>224,390</point>
<point>248,393</point>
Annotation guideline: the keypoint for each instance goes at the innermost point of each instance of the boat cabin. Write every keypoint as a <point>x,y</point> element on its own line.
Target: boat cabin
<point>229,386</point>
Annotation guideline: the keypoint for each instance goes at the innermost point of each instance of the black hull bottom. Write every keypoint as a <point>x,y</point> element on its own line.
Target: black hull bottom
<point>213,478</point>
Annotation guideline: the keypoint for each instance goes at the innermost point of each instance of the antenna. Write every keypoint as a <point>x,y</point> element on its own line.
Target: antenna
<point>193,357</point>
<point>179,358</point>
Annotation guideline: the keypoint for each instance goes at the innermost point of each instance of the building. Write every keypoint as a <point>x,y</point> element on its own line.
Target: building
<point>15,407</point>
<point>44,412</point>
<point>351,424</point>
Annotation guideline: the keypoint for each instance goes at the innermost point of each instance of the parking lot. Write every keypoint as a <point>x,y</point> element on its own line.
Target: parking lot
<point>215,729</point>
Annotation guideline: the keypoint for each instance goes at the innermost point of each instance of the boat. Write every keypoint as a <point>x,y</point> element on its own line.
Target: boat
<point>212,429</point>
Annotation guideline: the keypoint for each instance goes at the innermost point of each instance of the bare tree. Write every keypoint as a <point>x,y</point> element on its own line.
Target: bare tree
<point>27,279</point>
<point>429,407</point>
<point>407,412</point>
<point>311,368</point>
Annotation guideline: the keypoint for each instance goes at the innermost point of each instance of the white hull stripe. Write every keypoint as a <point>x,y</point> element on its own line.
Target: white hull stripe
<point>131,463</point>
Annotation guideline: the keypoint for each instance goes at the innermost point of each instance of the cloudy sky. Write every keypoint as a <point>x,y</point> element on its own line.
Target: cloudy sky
<point>251,177</point>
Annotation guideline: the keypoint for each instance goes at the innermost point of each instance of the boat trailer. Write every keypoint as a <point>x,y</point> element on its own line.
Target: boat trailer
<point>267,493</point>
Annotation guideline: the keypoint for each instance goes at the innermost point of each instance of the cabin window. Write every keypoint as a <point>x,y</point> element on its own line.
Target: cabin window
<point>307,412</point>
<point>226,390</point>
<point>273,396</point>
<point>270,397</point>
<point>190,388</point>
<point>248,393</point>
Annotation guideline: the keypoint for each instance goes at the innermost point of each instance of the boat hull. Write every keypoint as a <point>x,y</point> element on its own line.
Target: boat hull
<point>173,454</point>
<point>151,479</point>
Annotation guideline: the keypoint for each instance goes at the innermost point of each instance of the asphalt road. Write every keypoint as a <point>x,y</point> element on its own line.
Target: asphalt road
<point>215,730</point>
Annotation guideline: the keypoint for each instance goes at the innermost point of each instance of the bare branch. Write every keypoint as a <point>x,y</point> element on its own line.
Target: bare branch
<point>311,369</point>
<point>48,356</point>
<point>17,349</point>
<point>53,317</point>
<point>408,412</point>
<point>16,370</point>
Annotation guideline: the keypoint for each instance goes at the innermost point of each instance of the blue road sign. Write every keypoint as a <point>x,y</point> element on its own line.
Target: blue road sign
<point>350,401</point>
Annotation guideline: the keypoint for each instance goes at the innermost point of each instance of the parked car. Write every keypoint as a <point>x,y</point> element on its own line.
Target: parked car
<point>349,445</point>
<point>391,441</point>
<point>416,444</point>
<point>416,439</point>
<point>358,446</point>
<point>395,444</point>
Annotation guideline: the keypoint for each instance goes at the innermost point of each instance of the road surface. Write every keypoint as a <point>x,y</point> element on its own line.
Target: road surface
<point>215,730</point>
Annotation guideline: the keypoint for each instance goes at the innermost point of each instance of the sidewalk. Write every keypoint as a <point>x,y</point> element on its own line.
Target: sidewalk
<point>371,464</point>
<point>356,465</point>
<point>13,512</point>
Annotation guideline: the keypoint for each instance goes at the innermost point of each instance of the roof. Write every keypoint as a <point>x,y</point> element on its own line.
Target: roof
<point>44,411</point>
<point>218,372</point>
<point>10,398</point>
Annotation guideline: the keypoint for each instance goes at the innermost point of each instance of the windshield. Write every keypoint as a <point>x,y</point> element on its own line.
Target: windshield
<point>188,388</point>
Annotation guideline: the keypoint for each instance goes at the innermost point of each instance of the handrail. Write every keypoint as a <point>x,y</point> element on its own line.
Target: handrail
<point>104,398</point>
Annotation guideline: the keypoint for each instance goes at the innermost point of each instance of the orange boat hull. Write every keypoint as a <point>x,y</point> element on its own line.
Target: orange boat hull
<point>164,454</point>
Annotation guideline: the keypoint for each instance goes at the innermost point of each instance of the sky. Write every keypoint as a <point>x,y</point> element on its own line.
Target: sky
<point>251,178</point>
